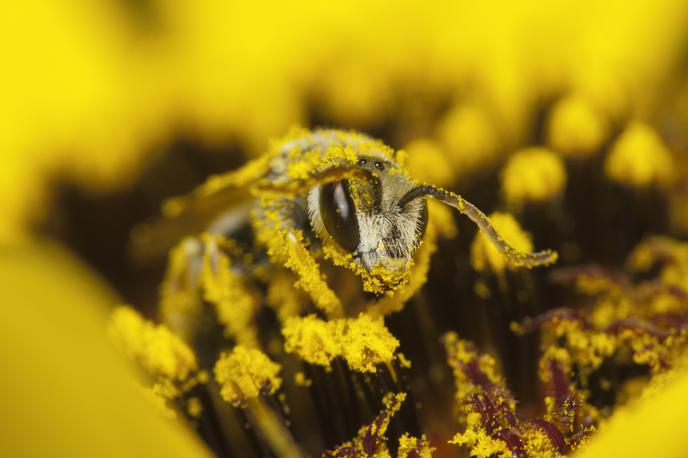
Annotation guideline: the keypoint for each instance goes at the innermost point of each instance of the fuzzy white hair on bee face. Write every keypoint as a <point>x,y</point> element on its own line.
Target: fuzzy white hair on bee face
<point>366,219</point>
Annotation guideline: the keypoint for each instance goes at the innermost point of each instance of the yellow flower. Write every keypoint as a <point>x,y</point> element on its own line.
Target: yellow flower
<point>98,97</point>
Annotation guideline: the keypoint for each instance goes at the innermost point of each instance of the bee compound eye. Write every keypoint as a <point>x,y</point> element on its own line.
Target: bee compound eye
<point>339,214</point>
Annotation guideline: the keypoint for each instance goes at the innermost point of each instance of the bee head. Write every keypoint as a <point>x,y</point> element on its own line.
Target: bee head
<point>380,218</point>
<point>364,217</point>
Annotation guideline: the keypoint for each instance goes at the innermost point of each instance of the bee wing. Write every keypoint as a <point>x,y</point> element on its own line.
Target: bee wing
<point>223,200</point>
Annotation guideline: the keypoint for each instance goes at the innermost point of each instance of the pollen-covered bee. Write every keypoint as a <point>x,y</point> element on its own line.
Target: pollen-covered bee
<point>317,197</point>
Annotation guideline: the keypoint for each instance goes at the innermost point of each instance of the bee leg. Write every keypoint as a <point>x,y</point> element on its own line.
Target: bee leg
<point>225,286</point>
<point>286,247</point>
<point>204,297</point>
<point>283,298</point>
<point>181,305</point>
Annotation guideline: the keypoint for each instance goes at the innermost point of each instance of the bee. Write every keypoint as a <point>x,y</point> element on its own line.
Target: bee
<point>316,196</point>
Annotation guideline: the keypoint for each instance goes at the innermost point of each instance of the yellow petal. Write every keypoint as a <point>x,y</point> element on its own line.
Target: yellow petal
<point>64,390</point>
<point>655,426</point>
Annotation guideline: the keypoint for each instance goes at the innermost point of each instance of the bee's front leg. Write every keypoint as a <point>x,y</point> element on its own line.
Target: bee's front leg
<point>180,300</point>
<point>206,286</point>
<point>287,247</point>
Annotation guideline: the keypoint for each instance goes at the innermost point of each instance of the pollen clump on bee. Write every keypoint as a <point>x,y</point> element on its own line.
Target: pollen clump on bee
<point>316,159</point>
<point>246,373</point>
<point>486,257</point>
<point>532,175</point>
<point>378,280</point>
<point>639,158</point>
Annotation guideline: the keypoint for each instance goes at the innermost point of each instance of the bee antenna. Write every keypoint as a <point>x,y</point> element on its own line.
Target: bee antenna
<point>483,222</point>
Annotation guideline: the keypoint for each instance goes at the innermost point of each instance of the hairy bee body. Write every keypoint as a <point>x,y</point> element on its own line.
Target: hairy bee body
<point>325,198</point>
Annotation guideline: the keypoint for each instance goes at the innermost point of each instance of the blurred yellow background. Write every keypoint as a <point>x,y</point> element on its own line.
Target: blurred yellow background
<point>91,90</point>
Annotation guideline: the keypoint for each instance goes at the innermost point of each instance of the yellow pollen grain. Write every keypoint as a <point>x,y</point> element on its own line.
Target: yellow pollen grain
<point>194,407</point>
<point>404,361</point>
<point>246,373</point>
<point>300,379</point>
